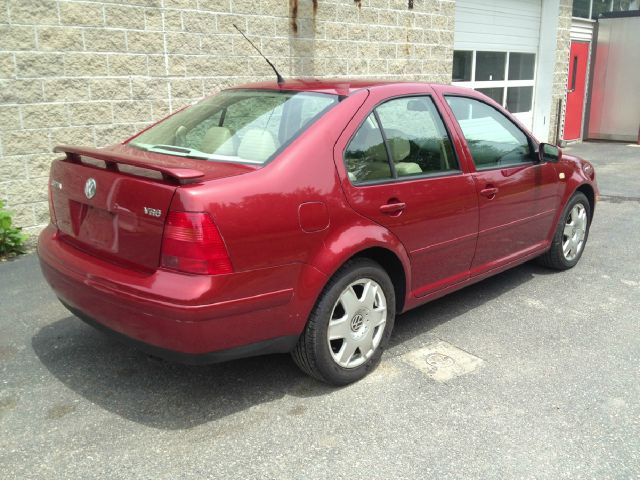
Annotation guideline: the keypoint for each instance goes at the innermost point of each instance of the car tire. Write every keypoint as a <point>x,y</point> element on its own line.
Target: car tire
<point>350,325</point>
<point>570,236</point>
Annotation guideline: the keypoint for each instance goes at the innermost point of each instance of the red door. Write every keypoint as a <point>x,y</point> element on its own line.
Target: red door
<point>576,90</point>
<point>517,195</point>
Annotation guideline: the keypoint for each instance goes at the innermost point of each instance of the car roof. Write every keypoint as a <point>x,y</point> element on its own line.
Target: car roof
<point>342,86</point>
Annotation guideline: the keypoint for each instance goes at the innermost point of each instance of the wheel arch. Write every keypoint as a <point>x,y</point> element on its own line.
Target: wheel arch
<point>391,264</point>
<point>366,240</point>
<point>590,193</point>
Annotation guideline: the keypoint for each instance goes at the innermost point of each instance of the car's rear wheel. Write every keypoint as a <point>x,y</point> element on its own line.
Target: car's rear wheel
<point>350,325</point>
<point>571,234</point>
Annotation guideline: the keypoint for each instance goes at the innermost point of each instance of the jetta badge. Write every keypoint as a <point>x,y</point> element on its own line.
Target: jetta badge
<point>90,188</point>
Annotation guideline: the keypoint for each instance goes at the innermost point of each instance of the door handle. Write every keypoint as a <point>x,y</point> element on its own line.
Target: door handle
<point>489,192</point>
<point>392,209</point>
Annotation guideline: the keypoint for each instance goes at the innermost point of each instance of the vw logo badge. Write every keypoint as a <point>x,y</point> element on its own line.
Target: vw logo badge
<point>356,322</point>
<point>90,188</point>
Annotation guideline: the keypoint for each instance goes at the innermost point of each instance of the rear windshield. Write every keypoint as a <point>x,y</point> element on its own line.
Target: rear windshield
<point>249,126</point>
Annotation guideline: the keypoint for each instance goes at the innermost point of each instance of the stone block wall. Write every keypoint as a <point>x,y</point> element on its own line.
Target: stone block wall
<point>95,72</point>
<point>561,71</point>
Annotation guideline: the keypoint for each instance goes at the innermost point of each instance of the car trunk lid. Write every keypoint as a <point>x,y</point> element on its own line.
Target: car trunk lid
<point>113,203</point>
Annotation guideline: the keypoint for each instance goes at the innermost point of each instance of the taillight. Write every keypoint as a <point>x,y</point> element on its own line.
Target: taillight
<point>192,243</point>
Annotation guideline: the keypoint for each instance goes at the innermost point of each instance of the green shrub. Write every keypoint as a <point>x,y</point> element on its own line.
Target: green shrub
<point>11,238</point>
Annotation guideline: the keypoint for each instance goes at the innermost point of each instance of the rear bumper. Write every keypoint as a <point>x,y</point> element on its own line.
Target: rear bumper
<point>273,345</point>
<point>189,318</point>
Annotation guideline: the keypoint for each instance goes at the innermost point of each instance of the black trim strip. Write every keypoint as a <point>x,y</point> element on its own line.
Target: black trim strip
<point>390,161</point>
<point>408,178</point>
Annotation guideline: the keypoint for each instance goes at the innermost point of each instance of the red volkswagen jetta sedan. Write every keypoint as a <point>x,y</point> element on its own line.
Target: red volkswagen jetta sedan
<point>302,217</point>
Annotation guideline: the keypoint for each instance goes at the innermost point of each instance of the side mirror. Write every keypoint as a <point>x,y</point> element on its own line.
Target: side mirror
<point>549,153</point>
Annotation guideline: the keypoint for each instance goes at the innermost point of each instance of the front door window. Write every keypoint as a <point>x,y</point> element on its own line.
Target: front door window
<point>493,140</point>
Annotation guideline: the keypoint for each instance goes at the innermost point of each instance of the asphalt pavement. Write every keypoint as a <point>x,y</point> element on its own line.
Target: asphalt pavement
<point>548,384</point>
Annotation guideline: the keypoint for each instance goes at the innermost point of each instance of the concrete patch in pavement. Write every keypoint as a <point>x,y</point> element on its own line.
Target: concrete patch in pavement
<point>442,361</point>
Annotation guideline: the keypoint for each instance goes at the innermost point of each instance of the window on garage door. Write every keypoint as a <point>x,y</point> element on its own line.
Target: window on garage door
<point>506,77</point>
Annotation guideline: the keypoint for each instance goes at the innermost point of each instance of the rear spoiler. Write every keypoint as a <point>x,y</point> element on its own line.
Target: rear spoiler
<point>111,159</point>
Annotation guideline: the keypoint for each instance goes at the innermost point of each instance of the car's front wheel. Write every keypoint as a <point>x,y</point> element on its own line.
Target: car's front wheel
<point>571,234</point>
<point>350,325</point>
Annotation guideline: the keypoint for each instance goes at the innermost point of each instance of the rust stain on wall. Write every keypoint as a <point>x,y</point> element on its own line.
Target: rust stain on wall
<point>407,47</point>
<point>293,8</point>
<point>293,13</point>
<point>315,13</point>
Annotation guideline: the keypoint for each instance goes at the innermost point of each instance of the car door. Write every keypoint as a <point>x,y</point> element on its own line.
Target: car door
<point>400,170</point>
<point>517,194</point>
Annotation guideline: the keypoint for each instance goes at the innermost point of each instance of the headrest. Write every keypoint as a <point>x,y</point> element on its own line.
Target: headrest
<point>181,136</point>
<point>217,140</point>
<point>257,144</point>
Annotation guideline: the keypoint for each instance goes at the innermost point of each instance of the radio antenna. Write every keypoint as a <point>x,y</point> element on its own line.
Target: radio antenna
<point>278,76</point>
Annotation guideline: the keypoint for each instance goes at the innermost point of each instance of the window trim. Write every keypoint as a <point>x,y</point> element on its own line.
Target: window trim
<point>533,145</point>
<point>396,178</point>
<point>530,163</point>
<point>387,181</point>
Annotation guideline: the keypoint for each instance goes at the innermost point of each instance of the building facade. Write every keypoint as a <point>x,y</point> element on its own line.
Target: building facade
<point>515,51</point>
<point>588,16</point>
<point>95,72</point>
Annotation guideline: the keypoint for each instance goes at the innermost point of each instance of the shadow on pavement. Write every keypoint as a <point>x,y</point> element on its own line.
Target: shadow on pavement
<point>171,396</point>
<point>422,319</point>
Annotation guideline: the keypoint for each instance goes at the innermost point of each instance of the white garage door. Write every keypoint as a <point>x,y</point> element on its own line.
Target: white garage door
<point>496,43</point>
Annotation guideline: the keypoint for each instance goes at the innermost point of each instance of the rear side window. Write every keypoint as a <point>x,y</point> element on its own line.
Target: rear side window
<point>417,142</point>
<point>237,125</point>
<point>493,140</point>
